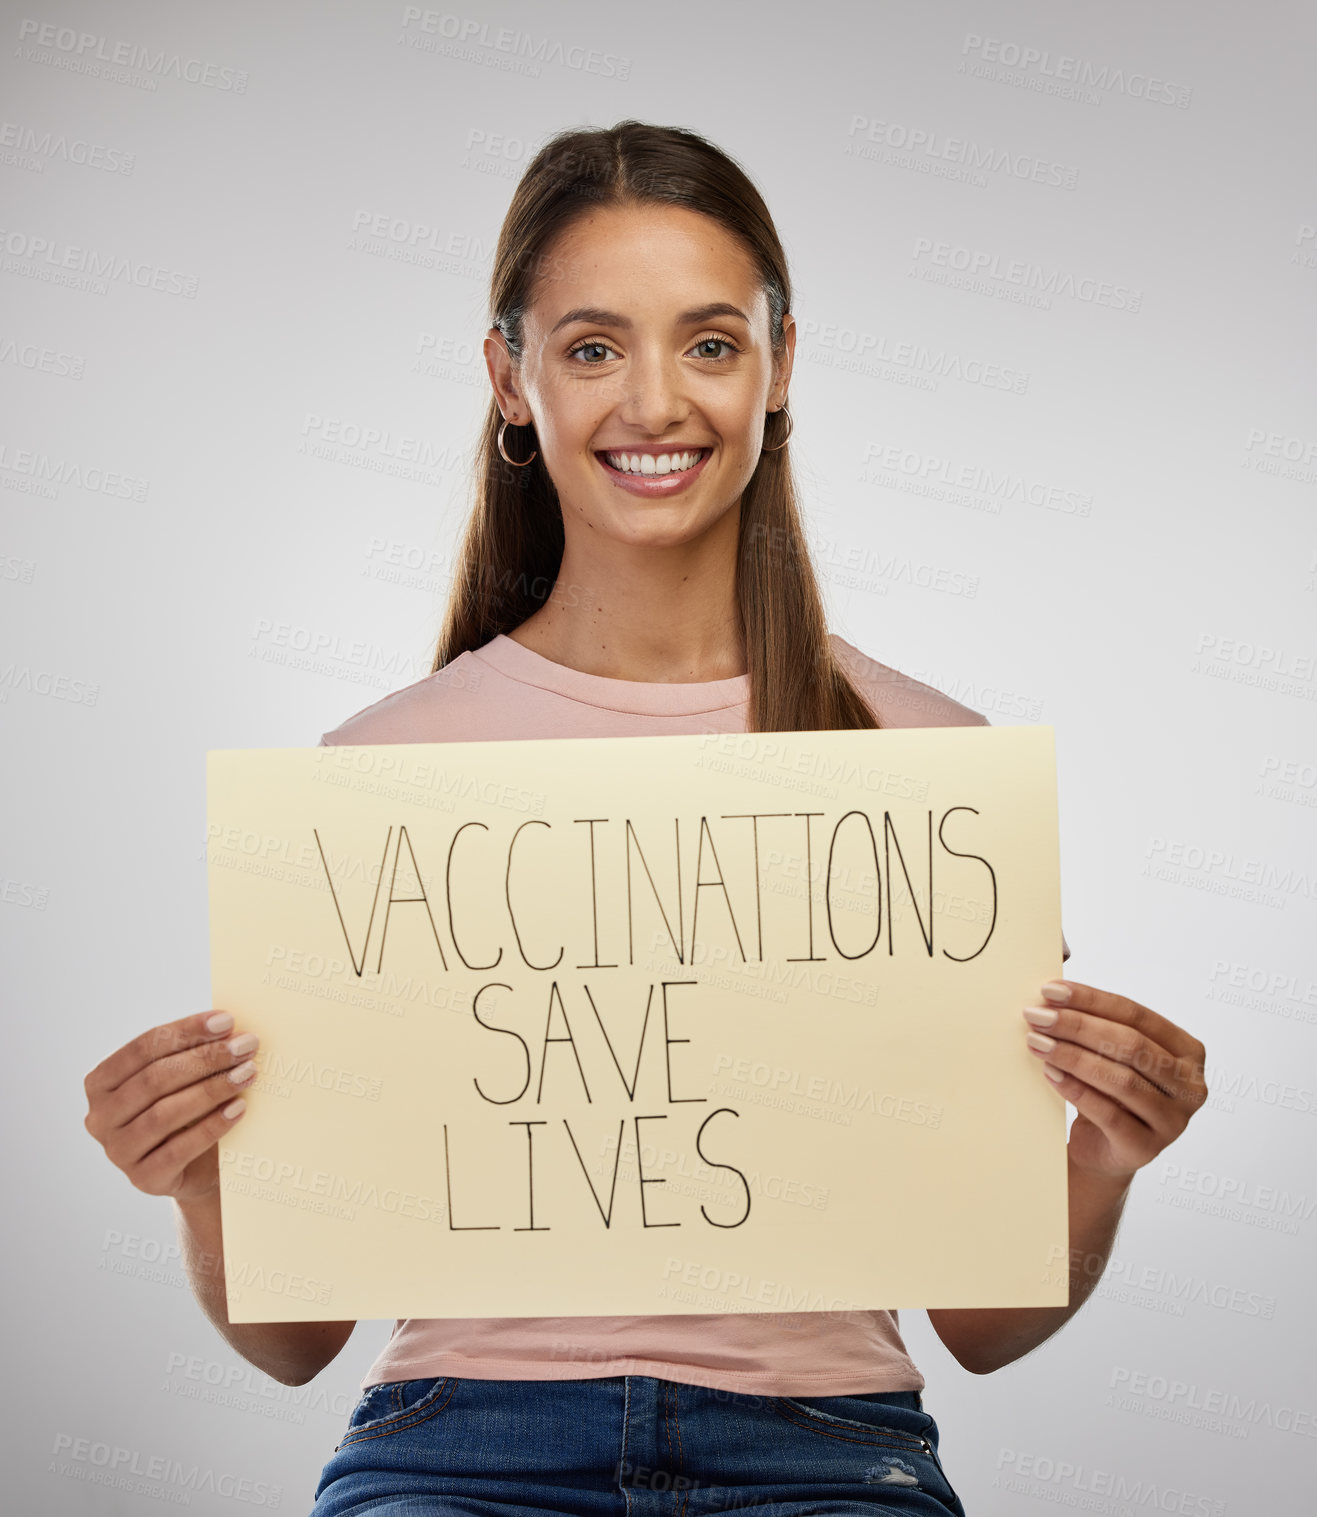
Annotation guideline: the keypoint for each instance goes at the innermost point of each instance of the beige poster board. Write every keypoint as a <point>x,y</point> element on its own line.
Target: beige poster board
<point>636,1026</point>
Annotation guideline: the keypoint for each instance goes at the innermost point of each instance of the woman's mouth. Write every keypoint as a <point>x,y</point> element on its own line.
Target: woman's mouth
<point>653,473</point>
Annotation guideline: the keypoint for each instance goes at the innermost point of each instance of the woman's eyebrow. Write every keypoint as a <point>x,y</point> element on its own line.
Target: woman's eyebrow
<point>599,317</point>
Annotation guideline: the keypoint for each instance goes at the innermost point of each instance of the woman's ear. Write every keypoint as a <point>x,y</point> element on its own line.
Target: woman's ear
<point>782,366</point>
<point>502,372</point>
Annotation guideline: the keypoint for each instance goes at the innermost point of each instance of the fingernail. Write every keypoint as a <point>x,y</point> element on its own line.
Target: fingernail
<point>1041,1043</point>
<point>235,1108</point>
<point>1041,1016</point>
<point>242,1044</point>
<point>242,1072</point>
<point>1054,1075</point>
<point>220,1022</point>
<point>1055,991</point>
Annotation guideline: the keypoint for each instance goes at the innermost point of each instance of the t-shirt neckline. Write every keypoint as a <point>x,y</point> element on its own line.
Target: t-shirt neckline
<point>641,697</point>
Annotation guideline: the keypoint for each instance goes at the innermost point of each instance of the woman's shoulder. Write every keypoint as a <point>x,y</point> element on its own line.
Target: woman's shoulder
<point>899,699</point>
<point>428,710</point>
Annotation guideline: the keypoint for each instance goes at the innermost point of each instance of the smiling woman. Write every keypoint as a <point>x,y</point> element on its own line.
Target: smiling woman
<point>634,564</point>
<point>640,351</point>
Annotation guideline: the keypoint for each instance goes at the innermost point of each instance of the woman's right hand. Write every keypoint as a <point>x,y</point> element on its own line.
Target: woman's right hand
<point>159,1105</point>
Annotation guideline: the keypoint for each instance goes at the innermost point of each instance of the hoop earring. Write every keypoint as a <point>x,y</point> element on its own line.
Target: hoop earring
<point>783,443</point>
<point>503,451</point>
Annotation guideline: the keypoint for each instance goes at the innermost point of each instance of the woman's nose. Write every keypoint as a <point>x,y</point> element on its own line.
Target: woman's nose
<point>652,397</point>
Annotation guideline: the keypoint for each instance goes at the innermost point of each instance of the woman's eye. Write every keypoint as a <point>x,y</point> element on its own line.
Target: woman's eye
<point>716,342</point>
<point>586,346</point>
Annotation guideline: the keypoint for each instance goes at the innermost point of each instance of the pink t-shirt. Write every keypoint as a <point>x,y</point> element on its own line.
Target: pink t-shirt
<point>506,690</point>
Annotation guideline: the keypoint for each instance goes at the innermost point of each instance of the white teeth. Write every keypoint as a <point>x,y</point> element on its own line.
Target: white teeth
<point>651,463</point>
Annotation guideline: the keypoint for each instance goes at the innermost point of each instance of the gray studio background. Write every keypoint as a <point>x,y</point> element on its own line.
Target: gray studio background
<point>233,476</point>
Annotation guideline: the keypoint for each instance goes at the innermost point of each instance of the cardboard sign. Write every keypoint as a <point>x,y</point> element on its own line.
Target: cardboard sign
<point>637,1026</point>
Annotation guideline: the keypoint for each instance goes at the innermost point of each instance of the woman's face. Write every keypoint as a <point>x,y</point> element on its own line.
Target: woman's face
<point>625,353</point>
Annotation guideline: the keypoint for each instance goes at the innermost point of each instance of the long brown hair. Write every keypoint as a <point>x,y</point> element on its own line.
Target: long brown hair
<point>512,546</point>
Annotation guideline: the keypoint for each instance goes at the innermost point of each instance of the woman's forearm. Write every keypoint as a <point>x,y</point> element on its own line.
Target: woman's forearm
<point>289,1352</point>
<point>985,1338</point>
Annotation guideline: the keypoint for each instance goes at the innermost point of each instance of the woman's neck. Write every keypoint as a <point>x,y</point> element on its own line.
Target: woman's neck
<point>650,616</point>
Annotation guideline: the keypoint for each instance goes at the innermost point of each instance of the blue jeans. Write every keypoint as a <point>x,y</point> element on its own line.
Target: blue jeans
<point>629,1446</point>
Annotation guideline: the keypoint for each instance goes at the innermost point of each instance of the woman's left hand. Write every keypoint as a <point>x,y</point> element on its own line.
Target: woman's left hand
<point>1134,1078</point>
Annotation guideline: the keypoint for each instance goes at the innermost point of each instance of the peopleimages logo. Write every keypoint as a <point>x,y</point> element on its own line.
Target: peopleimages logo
<point>895,466</point>
<point>41,147</point>
<point>1093,1489</point>
<point>158,1476</point>
<point>34,473</point>
<point>926,150</point>
<point>979,264</point>
<point>42,359</point>
<point>46,258</point>
<point>864,352</point>
<point>1043,70</point>
<point>90,52</point>
<point>465,34</point>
